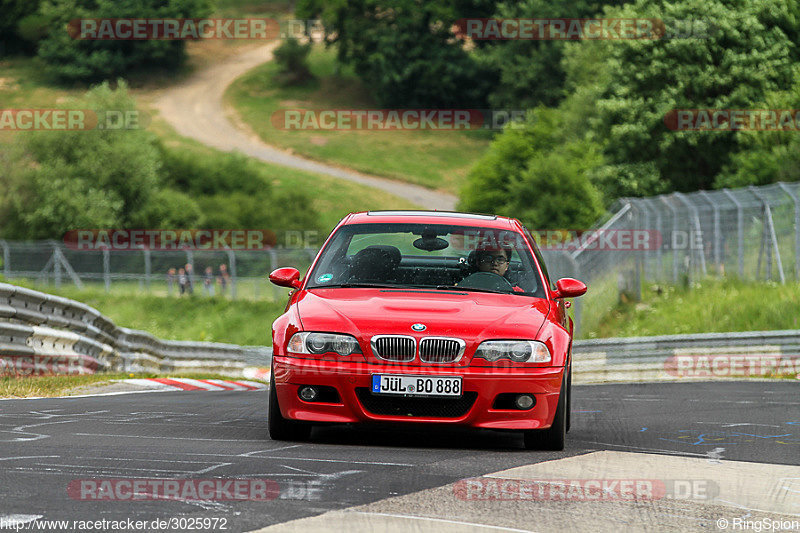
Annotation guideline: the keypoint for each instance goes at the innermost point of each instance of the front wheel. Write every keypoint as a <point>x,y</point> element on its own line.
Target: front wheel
<point>569,398</point>
<point>281,428</point>
<point>554,437</point>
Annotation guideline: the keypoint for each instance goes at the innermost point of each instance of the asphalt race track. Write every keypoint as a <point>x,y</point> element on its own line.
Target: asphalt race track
<point>48,443</point>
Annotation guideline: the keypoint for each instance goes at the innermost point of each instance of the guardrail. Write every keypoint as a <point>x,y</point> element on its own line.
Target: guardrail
<point>45,334</point>
<point>697,356</point>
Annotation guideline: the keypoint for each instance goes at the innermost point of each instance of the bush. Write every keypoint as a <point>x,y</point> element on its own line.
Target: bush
<point>292,58</point>
<point>405,51</point>
<point>233,193</point>
<point>71,60</point>
<point>59,181</point>
<point>534,173</point>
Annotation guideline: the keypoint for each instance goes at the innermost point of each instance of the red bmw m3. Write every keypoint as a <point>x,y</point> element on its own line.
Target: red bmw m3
<point>427,318</point>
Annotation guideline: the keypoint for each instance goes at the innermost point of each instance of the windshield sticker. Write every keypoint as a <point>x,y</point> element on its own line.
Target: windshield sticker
<point>325,278</point>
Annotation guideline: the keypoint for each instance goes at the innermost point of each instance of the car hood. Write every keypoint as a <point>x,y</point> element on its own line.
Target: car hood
<point>470,316</point>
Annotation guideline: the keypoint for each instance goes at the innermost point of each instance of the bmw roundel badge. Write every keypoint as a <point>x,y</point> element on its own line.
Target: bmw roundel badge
<point>419,327</point>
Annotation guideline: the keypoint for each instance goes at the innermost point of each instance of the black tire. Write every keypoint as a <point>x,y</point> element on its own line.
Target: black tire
<point>554,437</point>
<point>569,398</point>
<point>281,428</point>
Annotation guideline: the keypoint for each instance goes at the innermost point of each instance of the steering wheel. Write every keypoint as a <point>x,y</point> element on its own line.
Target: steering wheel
<point>486,280</point>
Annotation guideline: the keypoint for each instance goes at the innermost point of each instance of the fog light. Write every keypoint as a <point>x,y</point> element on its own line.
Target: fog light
<point>308,393</point>
<point>524,401</point>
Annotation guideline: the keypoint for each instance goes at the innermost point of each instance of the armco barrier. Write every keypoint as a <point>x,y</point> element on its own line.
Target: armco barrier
<point>696,356</point>
<point>40,333</point>
<point>46,334</point>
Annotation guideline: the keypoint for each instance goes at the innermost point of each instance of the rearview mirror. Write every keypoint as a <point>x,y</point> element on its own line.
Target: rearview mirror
<point>569,288</point>
<point>286,277</point>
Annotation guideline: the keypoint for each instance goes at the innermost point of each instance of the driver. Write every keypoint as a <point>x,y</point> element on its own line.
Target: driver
<point>494,261</point>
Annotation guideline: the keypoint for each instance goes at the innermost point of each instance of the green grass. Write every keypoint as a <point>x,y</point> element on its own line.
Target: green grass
<point>435,159</point>
<point>49,386</point>
<point>332,198</point>
<point>22,87</point>
<point>711,306</point>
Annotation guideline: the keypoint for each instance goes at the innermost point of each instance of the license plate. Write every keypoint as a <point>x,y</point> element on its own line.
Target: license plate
<point>416,385</point>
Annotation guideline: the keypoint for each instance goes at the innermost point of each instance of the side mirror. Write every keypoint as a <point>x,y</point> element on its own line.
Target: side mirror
<point>569,288</point>
<point>286,277</point>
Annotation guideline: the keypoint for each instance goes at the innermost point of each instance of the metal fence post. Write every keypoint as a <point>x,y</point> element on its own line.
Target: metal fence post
<point>637,256</point>
<point>693,210</point>
<point>674,213</point>
<point>717,232</point>
<point>232,272</point>
<point>578,303</point>
<point>739,230</point>
<point>273,264</point>
<point>796,202</point>
<point>147,268</point>
<point>660,249</point>
<point>56,266</point>
<point>6,259</point>
<point>107,269</point>
<point>769,233</point>
<point>644,255</point>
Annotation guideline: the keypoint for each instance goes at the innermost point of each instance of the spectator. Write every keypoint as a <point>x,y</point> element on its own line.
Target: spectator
<point>189,280</point>
<point>171,281</point>
<point>223,279</point>
<point>208,281</point>
<point>182,281</point>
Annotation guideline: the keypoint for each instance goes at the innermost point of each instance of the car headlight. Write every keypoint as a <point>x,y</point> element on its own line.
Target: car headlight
<point>309,342</point>
<point>517,351</point>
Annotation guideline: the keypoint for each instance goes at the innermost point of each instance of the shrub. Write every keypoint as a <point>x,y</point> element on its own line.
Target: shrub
<point>292,58</point>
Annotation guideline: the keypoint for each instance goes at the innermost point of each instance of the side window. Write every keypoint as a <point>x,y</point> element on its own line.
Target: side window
<point>539,258</point>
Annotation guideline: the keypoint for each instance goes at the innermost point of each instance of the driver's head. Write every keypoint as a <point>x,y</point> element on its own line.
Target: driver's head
<point>493,260</point>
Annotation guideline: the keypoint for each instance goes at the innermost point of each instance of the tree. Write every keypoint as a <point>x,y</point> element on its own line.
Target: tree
<point>531,72</point>
<point>766,157</point>
<point>59,181</point>
<point>12,13</point>
<point>405,51</point>
<point>531,172</point>
<point>71,59</point>
<point>746,53</point>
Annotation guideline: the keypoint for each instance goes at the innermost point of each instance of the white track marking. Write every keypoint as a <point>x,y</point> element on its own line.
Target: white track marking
<point>30,457</point>
<point>166,438</point>
<point>14,521</point>
<point>212,467</point>
<point>273,450</point>
<point>442,520</point>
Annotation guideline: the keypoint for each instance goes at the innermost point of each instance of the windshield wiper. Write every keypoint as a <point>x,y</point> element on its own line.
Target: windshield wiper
<point>466,289</point>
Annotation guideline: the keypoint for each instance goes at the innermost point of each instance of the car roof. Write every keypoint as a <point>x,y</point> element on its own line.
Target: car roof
<point>431,217</point>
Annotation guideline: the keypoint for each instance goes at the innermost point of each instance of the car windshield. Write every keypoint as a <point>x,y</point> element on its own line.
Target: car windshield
<point>428,256</point>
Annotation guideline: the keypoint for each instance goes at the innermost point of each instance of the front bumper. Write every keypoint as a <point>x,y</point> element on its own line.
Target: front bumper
<point>486,383</point>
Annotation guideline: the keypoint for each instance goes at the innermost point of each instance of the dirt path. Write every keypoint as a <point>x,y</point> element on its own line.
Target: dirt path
<point>196,110</point>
